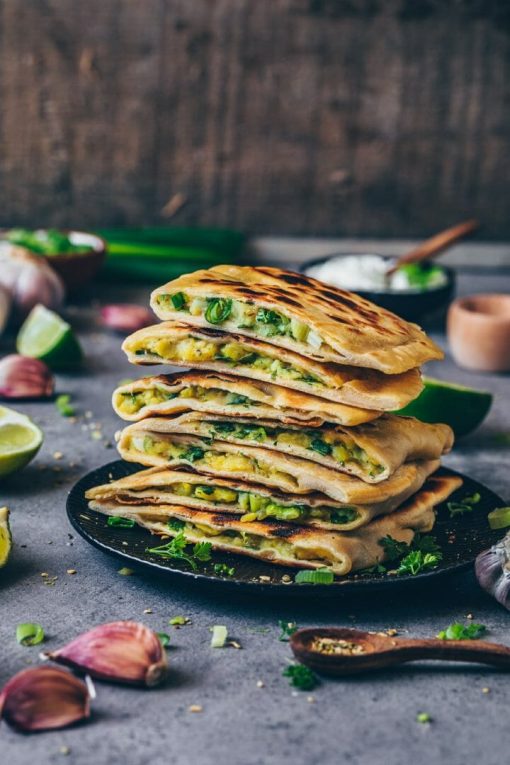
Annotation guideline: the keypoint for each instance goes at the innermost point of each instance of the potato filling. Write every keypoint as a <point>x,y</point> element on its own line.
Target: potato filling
<point>167,449</point>
<point>133,401</point>
<point>191,349</point>
<point>264,322</point>
<point>341,449</point>
<point>256,507</point>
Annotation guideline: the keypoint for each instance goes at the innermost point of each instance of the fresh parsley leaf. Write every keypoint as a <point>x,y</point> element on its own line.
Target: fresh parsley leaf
<point>377,569</point>
<point>416,561</point>
<point>464,506</point>
<point>393,548</point>
<point>426,543</point>
<point>175,549</point>
<point>202,551</point>
<point>463,632</point>
<point>287,629</point>
<point>300,677</point>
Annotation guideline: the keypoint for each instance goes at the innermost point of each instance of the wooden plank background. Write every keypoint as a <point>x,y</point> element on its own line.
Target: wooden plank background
<point>329,117</point>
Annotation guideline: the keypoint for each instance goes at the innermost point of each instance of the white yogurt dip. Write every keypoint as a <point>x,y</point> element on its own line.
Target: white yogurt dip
<point>368,273</point>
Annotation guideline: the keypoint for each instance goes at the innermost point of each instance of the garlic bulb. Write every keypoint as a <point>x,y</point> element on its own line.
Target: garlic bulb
<point>23,377</point>
<point>126,317</point>
<point>29,280</point>
<point>122,652</point>
<point>44,698</point>
<point>492,568</point>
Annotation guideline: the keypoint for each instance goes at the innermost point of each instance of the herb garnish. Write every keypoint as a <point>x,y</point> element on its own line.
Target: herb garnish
<point>393,548</point>
<point>416,561</point>
<point>176,548</point>
<point>320,446</point>
<point>287,629</point>
<point>164,638</point>
<point>423,717</point>
<point>178,621</point>
<point>300,677</point>
<point>65,408</point>
<point>29,634</point>
<point>463,632</point>
<point>316,576</point>
<point>121,523</point>
<point>464,506</point>
<point>221,569</point>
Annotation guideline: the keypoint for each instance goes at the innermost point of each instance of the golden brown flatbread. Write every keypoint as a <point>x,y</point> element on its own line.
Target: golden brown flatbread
<point>157,487</point>
<point>298,313</point>
<point>182,345</point>
<point>297,546</point>
<point>212,392</point>
<point>289,474</point>
<point>372,451</point>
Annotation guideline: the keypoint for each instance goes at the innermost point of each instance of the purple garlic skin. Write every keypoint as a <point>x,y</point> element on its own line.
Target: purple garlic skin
<point>44,698</point>
<point>29,281</point>
<point>23,377</point>
<point>126,317</point>
<point>492,568</point>
<point>120,652</point>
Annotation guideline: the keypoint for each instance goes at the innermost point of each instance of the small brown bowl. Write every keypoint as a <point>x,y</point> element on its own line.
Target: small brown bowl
<point>78,268</point>
<point>478,330</point>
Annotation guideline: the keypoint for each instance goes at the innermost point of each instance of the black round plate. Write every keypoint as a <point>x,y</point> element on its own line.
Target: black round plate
<point>460,538</point>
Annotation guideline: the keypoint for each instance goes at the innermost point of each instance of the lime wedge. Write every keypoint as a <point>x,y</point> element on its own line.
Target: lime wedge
<point>20,440</point>
<point>5,536</point>
<point>44,335</point>
<point>463,409</point>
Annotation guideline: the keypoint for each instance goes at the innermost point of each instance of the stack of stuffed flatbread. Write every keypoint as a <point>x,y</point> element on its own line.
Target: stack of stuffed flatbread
<point>279,443</point>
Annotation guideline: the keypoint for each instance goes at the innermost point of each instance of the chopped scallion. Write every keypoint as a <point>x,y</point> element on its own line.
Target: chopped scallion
<point>219,636</point>
<point>317,576</point>
<point>29,634</point>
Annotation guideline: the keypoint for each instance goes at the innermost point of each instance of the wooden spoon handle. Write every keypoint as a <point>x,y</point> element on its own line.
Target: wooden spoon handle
<point>478,651</point>
<point>436,244</point>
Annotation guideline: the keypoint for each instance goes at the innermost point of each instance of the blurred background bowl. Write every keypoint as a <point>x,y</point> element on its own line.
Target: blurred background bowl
<point>413,305</point>
<point>78,268</point>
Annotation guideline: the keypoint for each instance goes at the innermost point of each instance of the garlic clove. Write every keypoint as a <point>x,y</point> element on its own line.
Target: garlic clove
<point>492,569</point>
<point>126,317</point>
<point>23,377</point>
<point>29,280</point>
<point>122,652</point>
<point>44,698</point>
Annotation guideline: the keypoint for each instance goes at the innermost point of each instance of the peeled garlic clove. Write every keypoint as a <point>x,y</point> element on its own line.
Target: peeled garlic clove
<point>126,317</point>
<point>122,652</point>
<point>23,377</point>
<point>42,698</point>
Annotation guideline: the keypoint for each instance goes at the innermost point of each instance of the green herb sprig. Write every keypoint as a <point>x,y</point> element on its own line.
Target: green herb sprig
<point>176,548</point>
<point>457,631</point>
<point>300,677</point>
<point>64,406</point>
<point>287,629</point>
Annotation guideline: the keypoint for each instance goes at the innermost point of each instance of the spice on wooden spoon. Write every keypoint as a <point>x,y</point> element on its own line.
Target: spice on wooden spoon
<point>338,651</point>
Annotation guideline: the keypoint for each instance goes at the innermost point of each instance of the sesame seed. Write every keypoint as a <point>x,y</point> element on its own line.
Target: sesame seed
<point>195,708</point>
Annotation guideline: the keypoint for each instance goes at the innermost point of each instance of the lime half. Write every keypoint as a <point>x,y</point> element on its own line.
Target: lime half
<point>44,335</point>
<point>5,536</point>
<point>20,440</point>
<point>463,409</point>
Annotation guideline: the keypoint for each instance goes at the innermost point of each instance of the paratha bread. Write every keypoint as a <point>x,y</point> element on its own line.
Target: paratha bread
<point>157,487</point>
<point>182,345</point>
<point>247,463</point>
<point>372,451</point>
<point>298,313</point>
<point>212,392</point>
<point>298,546</point>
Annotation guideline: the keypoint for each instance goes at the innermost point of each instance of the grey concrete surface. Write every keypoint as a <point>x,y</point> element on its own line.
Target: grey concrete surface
<point>361,721</point>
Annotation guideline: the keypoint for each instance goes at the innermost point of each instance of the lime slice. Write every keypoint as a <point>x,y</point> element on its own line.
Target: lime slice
<point>5,536</point>
<point>20,440</point>
<point>44,335</point>
<point>463,409</point>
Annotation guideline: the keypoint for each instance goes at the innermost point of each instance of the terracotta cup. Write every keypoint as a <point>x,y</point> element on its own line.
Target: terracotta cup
<point>479,332</point>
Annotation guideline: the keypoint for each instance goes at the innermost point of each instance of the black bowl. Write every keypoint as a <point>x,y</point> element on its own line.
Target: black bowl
<point>413,306</point>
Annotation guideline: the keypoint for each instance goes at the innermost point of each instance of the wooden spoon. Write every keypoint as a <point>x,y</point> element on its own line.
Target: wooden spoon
<point>366,651</point>
<point>436,244</point>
